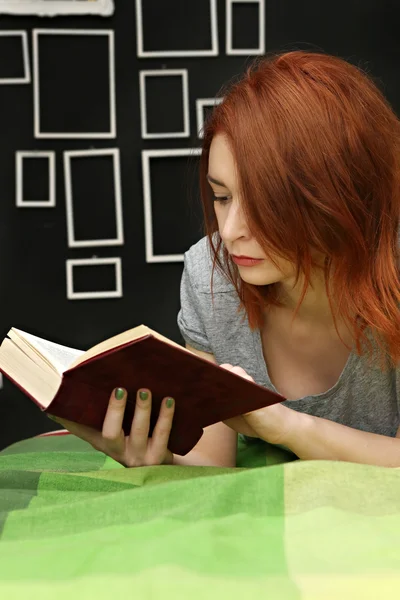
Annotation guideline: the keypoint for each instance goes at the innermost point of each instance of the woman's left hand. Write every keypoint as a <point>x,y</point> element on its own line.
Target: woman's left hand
<point>272,423</point>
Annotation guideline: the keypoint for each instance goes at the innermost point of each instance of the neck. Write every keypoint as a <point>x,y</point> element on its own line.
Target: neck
<point>315,307</point>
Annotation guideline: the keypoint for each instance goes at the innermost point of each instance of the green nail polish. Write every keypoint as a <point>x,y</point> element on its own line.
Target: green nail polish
<point>169,402</point>
<point>119,393</point>
<point>143,395</point>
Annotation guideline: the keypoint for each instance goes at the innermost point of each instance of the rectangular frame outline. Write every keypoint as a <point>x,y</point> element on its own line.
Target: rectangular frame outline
<point>36,97</point>
<point>27,7</point>
<point>213,51</point>
<point>25,54</point>
<point>119,240</point>
<point>185,93</point>
<point>19,174</point>
<point>200,104</point>
<point>148,222</point>
<point>73,262</point>
<point>261,29</point>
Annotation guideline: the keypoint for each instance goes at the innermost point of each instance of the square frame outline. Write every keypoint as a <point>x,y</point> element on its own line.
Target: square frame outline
<point>19,174</point>
<point>213,51</point>
<point>111,75</point>
<point>148,222</point>
<point>185,94</point>
<point>27,7</point>
<point>25,55</point>
<point>119,240</point>
<point>73,262</point>
<point>200,104</point>
<point>261,29</point>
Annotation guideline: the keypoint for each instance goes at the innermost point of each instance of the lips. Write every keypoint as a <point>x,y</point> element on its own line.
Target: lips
<point>246,261</point>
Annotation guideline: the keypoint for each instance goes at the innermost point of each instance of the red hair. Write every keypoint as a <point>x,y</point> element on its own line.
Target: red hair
<point>317,151</point>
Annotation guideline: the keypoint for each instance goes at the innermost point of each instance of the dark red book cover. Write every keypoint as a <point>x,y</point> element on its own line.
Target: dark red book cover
<point>204,393</point>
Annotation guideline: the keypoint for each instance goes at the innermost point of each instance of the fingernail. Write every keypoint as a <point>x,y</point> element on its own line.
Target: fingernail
<point>169,402</point>
<point>51,417</point>
<point>119,393</point>
<point>143,395</point>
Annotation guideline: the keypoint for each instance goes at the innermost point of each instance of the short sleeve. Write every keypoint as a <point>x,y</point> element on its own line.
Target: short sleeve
<point>190,321</point>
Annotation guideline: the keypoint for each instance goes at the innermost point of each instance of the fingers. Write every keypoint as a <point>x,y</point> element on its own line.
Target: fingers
<point>159,440</point>
<point>138,436</point>
<point>112,425</point>
<point>237,370</point>
<point>137,449</point>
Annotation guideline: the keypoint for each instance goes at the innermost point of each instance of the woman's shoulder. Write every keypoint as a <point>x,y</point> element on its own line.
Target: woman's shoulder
<point>199,267</point>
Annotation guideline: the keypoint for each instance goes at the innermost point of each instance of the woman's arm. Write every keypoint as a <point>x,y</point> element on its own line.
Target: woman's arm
<point>216,448</point>
<point>218,444</point>
<point>316,438</point>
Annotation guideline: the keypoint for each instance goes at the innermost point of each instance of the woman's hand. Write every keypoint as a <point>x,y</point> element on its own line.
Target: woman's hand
<point>136,449</point>
<point>272,424</point>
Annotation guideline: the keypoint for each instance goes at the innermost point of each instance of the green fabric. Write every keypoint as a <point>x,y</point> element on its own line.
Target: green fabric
<point>75,522</point>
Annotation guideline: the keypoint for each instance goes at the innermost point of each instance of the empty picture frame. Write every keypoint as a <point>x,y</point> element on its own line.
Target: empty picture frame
<point>50,8</point>
<point>21,200</point>
<point>147,155</point>
<point>183,73</point>
<point>71,264</point>
<point>144,53</point>
<point>200,104</point>
<point>85,103</point>
<point>260,48</point>
<point>26,77</point>
<point>113,155</point>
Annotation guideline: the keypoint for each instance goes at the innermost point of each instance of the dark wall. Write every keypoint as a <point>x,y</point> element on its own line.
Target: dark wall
<point>34,245</point>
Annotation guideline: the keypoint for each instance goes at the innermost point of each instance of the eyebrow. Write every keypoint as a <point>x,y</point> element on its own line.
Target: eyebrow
<point>216,182</point>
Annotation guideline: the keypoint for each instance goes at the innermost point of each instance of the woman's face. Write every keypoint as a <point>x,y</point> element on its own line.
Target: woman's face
<point>232,225</point>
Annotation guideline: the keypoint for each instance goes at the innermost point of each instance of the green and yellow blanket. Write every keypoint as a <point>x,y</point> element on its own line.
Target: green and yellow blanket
<point>74,523</point>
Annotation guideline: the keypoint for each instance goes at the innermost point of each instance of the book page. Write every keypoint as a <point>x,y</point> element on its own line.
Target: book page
<point>38,381</point>
<point>55,355</point>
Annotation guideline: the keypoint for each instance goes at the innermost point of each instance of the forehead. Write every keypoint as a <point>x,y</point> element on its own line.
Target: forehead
<point>221,163</point>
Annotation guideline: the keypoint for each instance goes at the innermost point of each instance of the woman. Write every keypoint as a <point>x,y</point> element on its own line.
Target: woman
<point>297,284</point>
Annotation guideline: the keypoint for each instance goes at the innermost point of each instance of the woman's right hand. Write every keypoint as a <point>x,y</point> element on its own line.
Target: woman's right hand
<point>136,449</point>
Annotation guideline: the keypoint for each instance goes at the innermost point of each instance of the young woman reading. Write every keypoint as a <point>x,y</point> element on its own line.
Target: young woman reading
<point>296,284</point>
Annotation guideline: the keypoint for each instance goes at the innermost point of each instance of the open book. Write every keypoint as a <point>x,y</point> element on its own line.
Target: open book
<point>76,385</point>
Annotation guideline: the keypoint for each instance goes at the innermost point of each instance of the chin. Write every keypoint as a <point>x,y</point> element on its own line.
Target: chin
<point>250,275</point>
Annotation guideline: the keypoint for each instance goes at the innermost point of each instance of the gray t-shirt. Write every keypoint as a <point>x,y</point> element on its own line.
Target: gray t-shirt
<point>364,397</point>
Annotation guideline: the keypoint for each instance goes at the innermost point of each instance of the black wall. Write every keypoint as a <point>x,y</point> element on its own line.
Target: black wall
<point>33,241</point>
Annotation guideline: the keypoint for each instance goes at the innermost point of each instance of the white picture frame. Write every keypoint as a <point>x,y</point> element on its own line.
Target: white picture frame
<point>68,156</point>
<point>25,55</point>
<point>112,133</point>
<point>47,8</point>
<point>20,202</point>
<point>71,263</point>
<point>213,51</point>
<point>183,73</point>
<point>147,155</point>
<point>200,104</point>
<point>261,29</point>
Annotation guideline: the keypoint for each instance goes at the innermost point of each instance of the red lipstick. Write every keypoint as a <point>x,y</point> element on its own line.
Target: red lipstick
<point>246,261</point>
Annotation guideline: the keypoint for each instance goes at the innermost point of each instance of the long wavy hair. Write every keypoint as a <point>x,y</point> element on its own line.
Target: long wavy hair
<point>317,151</point>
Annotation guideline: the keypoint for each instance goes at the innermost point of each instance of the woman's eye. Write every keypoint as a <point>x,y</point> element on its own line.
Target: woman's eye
<point>221,199</point>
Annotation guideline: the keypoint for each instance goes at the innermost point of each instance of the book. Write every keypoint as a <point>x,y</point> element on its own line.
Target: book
<point>76,385</point>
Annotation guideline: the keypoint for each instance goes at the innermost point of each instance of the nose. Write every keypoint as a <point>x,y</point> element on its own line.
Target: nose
<point>234,224</point>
